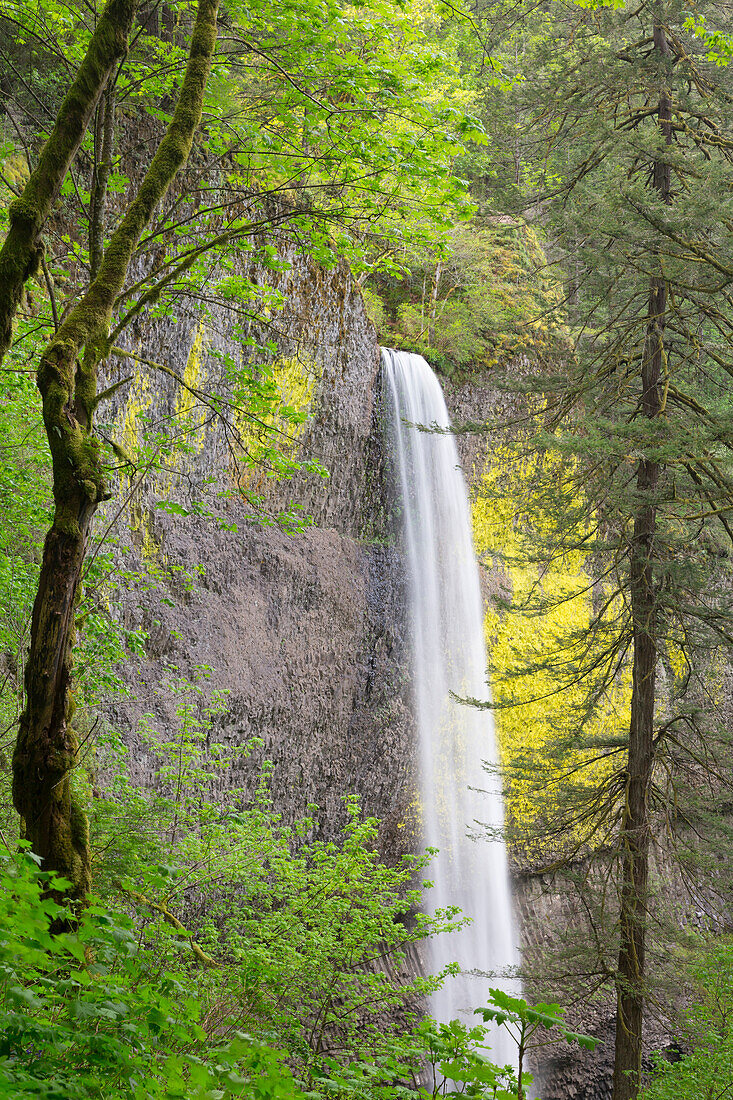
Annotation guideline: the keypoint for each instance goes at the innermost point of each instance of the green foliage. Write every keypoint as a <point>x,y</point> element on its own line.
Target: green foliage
<point>527,1025</point>
<point>719,44</point>
<point>634,438</point>
<point>523,1021</point>
<point>226,938</point>
<point>458,1066</point>
<point>485,299</point>
<point>322,104</point>
<point>317,104</point>
<point>25,511</point>
<point>301,929</point>
<point>369,93</point>
<point>111,1011</point>
<point>91,1013</point>
<point>706,1070</point>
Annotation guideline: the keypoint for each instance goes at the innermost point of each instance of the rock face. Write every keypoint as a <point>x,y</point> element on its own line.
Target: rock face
<point>305,632</point>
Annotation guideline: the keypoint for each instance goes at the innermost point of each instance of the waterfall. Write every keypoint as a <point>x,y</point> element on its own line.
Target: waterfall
<point>459,797</point>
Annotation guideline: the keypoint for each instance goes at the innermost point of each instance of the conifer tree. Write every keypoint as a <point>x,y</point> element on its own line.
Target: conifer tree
<point>632,144</point>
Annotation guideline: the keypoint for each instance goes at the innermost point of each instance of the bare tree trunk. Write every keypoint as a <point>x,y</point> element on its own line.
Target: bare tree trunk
<point>20,256</point>
<point>46,751</point>
<point>635,829</point>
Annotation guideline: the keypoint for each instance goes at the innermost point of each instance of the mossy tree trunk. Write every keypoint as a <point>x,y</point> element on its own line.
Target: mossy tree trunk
<point>635,826</point>
<point>21,253</point>
<point>47,748</point>
<point>103,154</point>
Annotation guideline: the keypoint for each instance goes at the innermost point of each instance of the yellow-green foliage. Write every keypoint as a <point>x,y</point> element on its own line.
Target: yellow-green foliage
<point>539,711</point>
<point>520,295</point>
<point>374,309</point>
<point>295,379</point>
<point>137,405</point>
<point>190,411</point>
<point>130,435</point>
<point>15,171</point>
<point>496,298</point>
<point>188,425</point>
<point>139,520</point>
<point>269,440</point>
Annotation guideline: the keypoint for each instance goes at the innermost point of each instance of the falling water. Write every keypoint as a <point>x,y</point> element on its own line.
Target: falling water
<point>459,797</point>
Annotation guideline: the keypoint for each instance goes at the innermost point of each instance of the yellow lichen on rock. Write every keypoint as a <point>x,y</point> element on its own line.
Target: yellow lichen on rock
<point>138,404</point>
<point>139,522</point>
<point>15,172</point>
<point>296,380</point>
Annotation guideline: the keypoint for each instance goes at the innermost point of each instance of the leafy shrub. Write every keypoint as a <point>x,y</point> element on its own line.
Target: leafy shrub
<point>232,955</point>
<point>309,937</point>
<point>93,1013</point>
<point>707,1070</point>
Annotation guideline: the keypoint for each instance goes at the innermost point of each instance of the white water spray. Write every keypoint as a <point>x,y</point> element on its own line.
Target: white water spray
<point>459,796</point>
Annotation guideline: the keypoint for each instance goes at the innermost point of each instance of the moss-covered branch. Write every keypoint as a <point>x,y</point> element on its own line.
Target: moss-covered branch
<point>47,748</point>
<point>104,152</point>
<point>173,921</point>
<point>20,256</point>
<point>90,318</point>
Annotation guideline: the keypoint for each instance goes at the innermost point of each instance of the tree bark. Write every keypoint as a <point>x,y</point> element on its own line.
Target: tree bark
<point>47,748</point>
<point>635,828</point>
<point>20,256</point>
<point>104,151</point>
